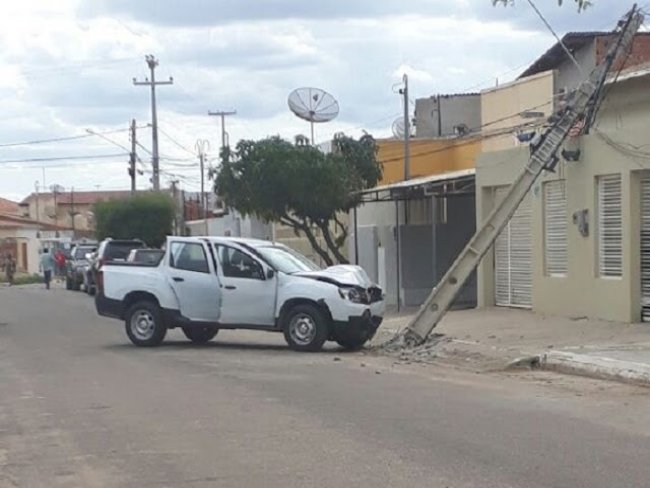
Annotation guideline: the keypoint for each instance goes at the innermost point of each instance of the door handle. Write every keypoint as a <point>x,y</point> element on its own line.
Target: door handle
<point>230,287</point>
<point>178,279</point>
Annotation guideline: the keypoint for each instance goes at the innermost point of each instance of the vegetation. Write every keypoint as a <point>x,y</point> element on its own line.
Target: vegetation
<point>300,186</point>
<point>23,279</point>
<point>146,216</point>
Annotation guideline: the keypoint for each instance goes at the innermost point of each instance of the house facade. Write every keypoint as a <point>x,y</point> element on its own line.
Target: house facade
<point>67,209</point>
<point>579,244</point>
<point>25,239</point>
<point>406,234</point>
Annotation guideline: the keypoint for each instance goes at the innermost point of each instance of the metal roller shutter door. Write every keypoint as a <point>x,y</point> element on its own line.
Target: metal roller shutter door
<point>645,249</point>
<point>513,258</point>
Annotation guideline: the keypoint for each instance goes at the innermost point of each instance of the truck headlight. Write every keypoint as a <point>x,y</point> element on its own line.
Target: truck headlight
<point>353,294</point>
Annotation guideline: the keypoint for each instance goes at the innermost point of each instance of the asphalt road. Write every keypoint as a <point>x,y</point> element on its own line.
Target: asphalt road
<point>81,407</point>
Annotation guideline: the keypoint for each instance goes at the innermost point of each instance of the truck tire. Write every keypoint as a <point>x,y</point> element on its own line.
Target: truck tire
<point>144,324</point>
<point>68,284</point>
<point>305,328</point>
<point>352,342</point>
<point>200,334</point>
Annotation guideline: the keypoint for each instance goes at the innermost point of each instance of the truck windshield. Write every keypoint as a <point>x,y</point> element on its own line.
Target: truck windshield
<point>286,260</point>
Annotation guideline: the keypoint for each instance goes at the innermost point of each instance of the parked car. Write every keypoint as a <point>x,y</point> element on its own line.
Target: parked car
<point>109,250</point>
<point>145,256</point>
<point>76,264</point>
<point>203,285</point>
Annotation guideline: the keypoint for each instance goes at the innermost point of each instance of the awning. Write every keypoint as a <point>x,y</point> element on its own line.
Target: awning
<point>460,182</point>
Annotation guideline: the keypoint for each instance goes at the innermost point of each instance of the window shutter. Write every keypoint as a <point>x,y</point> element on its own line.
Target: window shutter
<point>610,226</point>
<point>555,228</point>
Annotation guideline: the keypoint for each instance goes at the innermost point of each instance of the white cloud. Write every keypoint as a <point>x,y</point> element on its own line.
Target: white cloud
<point>67,65</point>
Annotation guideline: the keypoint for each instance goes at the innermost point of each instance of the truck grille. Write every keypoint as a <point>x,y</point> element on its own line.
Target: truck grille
<point>375,293</point>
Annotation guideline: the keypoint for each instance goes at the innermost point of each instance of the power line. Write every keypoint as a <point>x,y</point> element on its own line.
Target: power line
<point>60,139</point>
<point>453,144</point>
<point>62,158</point>
<point>54,166</point>
<point>175,142</point>
<point>548,26</point>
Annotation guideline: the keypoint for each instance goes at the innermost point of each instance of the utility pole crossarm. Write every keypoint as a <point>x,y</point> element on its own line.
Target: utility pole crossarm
<point>223,115</point>
<point>583,101</point>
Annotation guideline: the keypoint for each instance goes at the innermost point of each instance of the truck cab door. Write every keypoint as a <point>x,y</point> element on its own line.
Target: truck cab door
<point>194,281</point>
<point>248,291</point>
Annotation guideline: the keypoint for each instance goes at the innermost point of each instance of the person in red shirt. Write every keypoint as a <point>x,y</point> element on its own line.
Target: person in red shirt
<point>59,259</point>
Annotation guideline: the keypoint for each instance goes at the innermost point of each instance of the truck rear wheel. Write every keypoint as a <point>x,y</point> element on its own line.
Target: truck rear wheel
<point>305,328</point>
<point>201,334</point>
<point>144,324</point>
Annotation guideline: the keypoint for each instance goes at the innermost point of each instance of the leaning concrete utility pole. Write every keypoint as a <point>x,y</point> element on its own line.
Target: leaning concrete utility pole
<point>152,62</point>
<point>581,106</point>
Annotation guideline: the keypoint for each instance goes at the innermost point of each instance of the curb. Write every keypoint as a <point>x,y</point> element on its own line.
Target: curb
<point>595,367</point>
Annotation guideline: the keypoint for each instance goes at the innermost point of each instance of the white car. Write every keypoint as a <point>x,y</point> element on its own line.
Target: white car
<point>204,284</point>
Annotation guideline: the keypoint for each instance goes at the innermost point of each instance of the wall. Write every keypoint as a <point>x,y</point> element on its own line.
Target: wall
<point>232,225</point>
<point>568,75</point>
<point>501,108</point>
<point>450,237</point>
<point>640,53</point>
<point>450,110</point>
<point>43,211</point>
<point>377,238</point>
<point>428,157</point>
<point>623,118</point>
<point>428,245</point>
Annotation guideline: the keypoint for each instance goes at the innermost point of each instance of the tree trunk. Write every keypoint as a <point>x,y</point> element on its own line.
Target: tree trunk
<point>325,228</point>
<point>296,224</point>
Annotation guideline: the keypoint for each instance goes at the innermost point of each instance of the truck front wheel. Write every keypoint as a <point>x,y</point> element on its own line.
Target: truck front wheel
<point>200,334</point>
<point>305,328</point>
<point>144,324</point>
<point>352,342</point>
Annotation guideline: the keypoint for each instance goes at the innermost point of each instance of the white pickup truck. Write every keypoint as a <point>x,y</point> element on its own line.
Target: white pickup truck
<point>204,284</point>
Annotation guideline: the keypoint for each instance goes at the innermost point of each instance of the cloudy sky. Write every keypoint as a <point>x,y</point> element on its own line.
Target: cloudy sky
<point>66,66</point>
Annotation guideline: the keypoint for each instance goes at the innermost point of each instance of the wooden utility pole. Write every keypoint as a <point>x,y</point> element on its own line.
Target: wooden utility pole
<point>202,146</point>
<point>132,158</point>
<point>152,62</point>
<point>407,130</point>
<point>223,116</point>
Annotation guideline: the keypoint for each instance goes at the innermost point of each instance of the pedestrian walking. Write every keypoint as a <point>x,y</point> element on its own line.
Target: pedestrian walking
<point>47,266</point>
<point>10,268</point>
<point>59,260</point>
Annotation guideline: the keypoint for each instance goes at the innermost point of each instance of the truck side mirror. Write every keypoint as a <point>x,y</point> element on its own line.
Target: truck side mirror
<point>270,274</point>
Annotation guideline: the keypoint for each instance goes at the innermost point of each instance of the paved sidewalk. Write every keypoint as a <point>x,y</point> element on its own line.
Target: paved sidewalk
<point>484,339</point>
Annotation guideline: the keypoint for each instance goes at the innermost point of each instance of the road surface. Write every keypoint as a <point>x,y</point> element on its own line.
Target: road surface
<point>81,407</point>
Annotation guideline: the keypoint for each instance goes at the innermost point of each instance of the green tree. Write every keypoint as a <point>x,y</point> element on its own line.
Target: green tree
<point>582,4</point>
<point>300,186</point>
<point>147,216</point>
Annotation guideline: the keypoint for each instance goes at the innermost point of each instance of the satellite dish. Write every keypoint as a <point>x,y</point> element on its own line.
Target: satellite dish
<point>398,128</point>
<point>313,105</point>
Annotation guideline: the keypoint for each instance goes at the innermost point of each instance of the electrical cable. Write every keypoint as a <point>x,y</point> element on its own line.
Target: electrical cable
<point>178,144</point>
<point>548,26</point>
<point>61,158</point>
<point>60,139</point>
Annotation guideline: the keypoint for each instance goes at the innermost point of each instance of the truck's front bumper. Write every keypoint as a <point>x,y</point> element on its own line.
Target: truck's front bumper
<point>364,325</point>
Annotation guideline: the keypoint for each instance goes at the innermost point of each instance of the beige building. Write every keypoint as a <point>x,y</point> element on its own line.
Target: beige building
<point>579,245</point>
<point>67,209</point>
<point>515,108</point>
